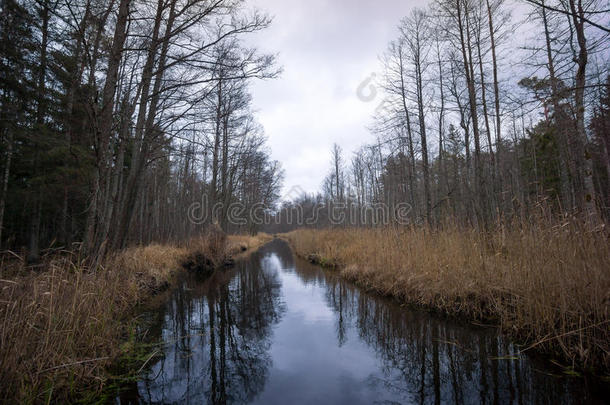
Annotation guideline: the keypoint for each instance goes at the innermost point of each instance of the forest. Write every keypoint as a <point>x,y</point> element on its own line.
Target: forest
<point>466,134</point>
<point>116,116</point>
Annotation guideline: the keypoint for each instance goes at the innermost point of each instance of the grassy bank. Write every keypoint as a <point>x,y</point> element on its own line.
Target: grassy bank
<point>63,325</point>
<point>548,286</point>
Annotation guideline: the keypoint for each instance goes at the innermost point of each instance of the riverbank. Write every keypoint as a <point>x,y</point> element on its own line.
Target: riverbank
<point>548,287</point>
<point>63,325</point>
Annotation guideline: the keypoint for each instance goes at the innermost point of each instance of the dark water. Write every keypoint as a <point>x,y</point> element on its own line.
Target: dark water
<point>277,330</point>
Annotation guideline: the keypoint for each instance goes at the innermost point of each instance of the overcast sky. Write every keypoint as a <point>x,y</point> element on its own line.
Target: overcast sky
<point>327,48</point>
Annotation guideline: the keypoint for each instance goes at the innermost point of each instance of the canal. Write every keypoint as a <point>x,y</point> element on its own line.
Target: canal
<point>278,330</point>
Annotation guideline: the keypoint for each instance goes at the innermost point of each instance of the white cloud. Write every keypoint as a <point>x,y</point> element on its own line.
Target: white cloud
<point>326,47</point>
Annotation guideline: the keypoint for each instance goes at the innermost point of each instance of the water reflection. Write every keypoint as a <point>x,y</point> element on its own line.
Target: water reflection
<point>279,330</point>
<point>218,339</point>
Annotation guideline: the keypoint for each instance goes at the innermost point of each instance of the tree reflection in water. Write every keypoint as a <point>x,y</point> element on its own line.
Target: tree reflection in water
<point>224,335</point>
<point>218,338</point>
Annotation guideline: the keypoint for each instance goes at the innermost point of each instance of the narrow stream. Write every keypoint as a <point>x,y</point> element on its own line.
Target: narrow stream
<point>277,330</point>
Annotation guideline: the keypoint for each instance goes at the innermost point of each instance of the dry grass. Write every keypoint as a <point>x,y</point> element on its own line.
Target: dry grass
<point>151,267</point>
<point>62,325</point>
<point>242,243</point>
<point>549,285</point>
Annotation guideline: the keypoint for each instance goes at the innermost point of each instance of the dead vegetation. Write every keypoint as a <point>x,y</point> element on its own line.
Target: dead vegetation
<point>215,250</point>
<point>546,284</point>
<point>241,243</point>
<point>63,324</point>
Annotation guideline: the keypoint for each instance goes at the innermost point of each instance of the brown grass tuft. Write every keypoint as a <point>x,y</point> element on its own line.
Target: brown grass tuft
<point>547,284</point>
<point>63,326</point>
<point>241,243</point>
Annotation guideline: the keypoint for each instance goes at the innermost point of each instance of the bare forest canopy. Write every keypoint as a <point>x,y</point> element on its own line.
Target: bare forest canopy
<point>464,134</point>
<point>118,115</point>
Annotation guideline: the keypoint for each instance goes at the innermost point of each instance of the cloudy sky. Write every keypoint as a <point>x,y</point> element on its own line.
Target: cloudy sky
<point>327,48</point>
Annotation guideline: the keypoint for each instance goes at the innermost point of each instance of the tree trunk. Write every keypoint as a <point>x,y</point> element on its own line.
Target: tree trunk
<point>422,130</point>
<point>560,124</point>
<point>33,252</point>
<point>494,60</point>
<point>224,168</point>
<point>216,153</point>
<point>144,128</point>
<point>104,121</point>
<point>487,125</point>
<point>443,184</point>
<point>584,155</point>
<point>5,177</point>
<point>409,133</point>
<point>469,74</point>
